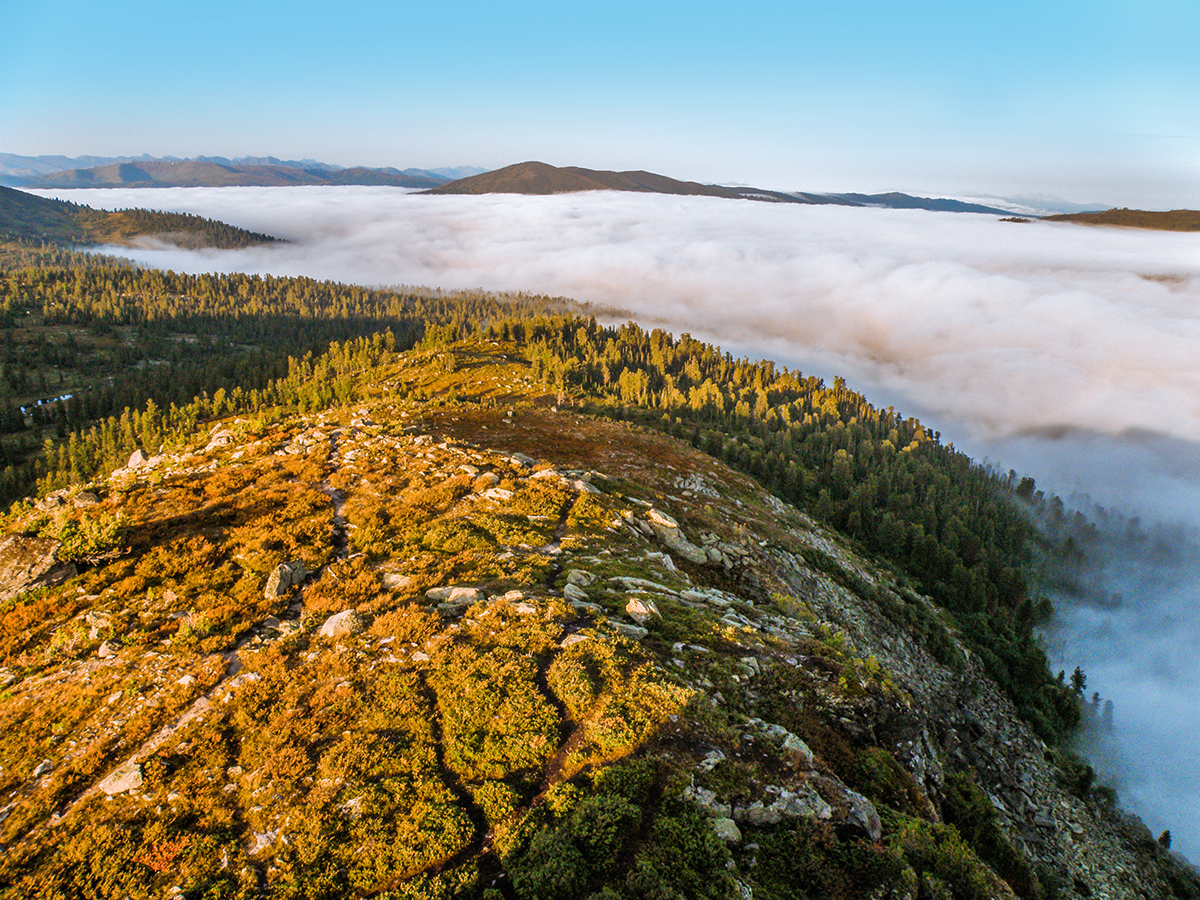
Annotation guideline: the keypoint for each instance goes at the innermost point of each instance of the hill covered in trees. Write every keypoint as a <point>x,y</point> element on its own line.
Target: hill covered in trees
<point>27,217</point>
<point>1174,220</point>
<point>445,623</point>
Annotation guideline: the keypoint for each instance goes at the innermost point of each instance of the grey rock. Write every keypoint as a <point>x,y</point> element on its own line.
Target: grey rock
<point>797,747</point>
<point>394,581</point>
<point>707,801</point>
<point>727,830</point>
<point>285,577</point>
<point>127,778</point>
<point>862,814</point>
<point>464,596</point>
<point>580,577</point>
<point>803,803</point>
<point>671,536</point>
<point>30,562</point>
<point>108,650</point>
<point>486,481</point>
<point>711,760</point>
<point>572,639</point>
<point>642,611</point>
<point>220,438</point>
<point>348,621</point>
<point>634,632</point>
<point>43,767</point>
<point>574,592</point>
<point>137,459</point>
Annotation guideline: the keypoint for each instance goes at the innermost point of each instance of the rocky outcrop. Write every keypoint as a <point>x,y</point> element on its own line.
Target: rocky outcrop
<point>127,778</point>
<point>30,562</point>
<point>671,536</point>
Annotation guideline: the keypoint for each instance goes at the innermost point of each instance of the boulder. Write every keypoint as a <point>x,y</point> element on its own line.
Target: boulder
<point>285,577</point>
<point>707,801</point>
<point>633,632</point>
<point>219,438</point>
<point>671,536</point>
<point>394,581</point>
<point>137,459</point>
<point>727,830</point>
<point>459,596</point>
<point>30,562</point>
<point>798,748</point>
<point>803,803</point>
<point>758,814</point>
<point>641,610</point>
<point>108,650</point>
<point>127,778</point>
<point>862,815</point>
<point>580,578</point>
<point>349,621</point>
<point>572,639</point>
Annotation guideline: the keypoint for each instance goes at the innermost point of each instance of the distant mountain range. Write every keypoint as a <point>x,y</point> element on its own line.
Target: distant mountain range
<point>206,171</point>
<point>59,172</point>
<point>541,178</point>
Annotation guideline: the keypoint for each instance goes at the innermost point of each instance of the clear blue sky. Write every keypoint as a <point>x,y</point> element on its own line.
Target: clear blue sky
<point>1091,101</point>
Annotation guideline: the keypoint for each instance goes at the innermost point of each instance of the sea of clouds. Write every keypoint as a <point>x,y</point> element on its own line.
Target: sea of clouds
<point>1069,353</point>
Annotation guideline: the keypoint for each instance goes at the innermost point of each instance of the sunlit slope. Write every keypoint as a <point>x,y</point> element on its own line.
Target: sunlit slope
<point>442,634</point>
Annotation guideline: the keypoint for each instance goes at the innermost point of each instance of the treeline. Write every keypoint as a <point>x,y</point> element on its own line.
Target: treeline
<point>885,480</point>
<point>309,383</point>
<point>147,335</point>
<point>230,304</point>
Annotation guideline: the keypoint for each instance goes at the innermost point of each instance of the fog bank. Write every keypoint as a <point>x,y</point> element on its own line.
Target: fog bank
<point>1067,352</point>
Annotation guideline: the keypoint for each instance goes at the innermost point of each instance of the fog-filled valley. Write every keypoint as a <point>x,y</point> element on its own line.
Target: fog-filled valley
<point>1061,351</point>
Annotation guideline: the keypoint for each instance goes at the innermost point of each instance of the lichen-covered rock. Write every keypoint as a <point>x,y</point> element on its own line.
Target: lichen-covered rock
<point>633,632</point>
<point>727,830</point>
<point>349,621</point>
<point>30,562</point>
<point>285,577</point>
<point>463,595</point>
<point>574,592</point>
<point>863,816</point>
<point>127,778</point>
<point>642,610</point>
<point>671,536</point>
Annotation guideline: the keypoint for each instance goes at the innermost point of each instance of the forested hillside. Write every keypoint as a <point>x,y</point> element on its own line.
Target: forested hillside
<point>432,624</point>
<point>27,217</point>
<point>112,337</point>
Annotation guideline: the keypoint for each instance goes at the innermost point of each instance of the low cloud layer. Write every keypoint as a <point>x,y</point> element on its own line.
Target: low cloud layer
<point>1067,352</point>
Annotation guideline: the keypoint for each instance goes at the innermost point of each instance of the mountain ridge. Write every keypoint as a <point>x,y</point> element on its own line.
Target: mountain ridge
<point>517,650</point>
<point>202,173</point>
<point>539,178</point>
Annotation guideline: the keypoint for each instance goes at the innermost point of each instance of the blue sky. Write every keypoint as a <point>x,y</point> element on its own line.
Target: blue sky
<point>1088,101</point>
